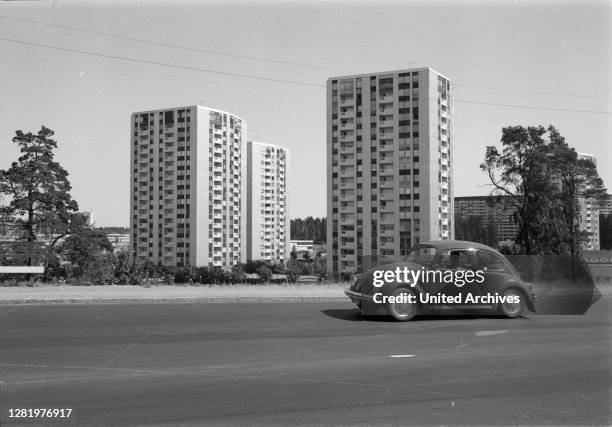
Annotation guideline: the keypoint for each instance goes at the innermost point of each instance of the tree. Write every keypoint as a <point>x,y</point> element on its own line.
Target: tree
<point>518,172</point>
<point>90,254</point>
<point>544,181</point>
<point>127,273</point>
<point>579,180</point>
<point>265,273</point>
<point>491,231</point>
<point>38,191</point>
<point>310,228</point>
<point>475,228</point>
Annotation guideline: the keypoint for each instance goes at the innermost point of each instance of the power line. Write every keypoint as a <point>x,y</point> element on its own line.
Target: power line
<point>247,76</point>
<point>173,46</point>
<point>163,64</point>
<point>532,107</point>
<point>272,60</point>
<point>532,91</point>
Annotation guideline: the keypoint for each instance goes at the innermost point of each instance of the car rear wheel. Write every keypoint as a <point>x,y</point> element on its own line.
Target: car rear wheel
<point>402,311</point>
<point>512,309</point>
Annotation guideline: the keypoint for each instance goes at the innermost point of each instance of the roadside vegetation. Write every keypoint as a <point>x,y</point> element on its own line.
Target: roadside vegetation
<point>537,172</point>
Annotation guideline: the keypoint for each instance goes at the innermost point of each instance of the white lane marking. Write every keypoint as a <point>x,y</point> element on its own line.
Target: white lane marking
<point>393,356</point>
<point>488,333</point>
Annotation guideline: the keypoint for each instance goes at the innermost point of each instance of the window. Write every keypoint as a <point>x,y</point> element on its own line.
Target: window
<point>457,259</point>
<point>489,262</point>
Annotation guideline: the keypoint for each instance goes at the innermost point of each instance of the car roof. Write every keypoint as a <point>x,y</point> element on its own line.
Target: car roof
<point>455,244</point>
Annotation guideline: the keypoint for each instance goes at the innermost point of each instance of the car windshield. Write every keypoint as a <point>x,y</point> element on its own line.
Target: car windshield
<point>423,255</point>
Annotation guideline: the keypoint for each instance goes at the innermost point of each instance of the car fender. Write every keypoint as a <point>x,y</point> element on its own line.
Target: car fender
<point>526,297</point>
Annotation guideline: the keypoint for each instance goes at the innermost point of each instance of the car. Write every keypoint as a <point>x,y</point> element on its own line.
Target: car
<point>440,275</point>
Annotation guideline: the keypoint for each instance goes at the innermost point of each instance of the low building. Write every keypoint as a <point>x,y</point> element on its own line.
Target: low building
<point>120,242</point>
<point>301,245</point>
<point>600,264</point>
<point>499,211</point>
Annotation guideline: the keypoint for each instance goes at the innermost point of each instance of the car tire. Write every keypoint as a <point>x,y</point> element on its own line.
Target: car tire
<point>401,311</point>
<point>512,310</point>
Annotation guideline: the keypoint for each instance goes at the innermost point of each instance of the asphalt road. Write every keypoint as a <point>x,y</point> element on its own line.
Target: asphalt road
<point>302,364</point>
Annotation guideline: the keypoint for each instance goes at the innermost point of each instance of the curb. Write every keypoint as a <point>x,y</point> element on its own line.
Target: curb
<point>186,300</point>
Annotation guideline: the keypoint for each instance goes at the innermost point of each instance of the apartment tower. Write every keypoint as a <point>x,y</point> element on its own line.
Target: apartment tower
<point>267,211</point>
<point>187,172</point>
<point>389,165</point>
<point>588,217</point>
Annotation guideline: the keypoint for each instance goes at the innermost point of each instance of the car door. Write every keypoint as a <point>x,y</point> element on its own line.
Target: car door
<point>457,262</point>
<point>494,270</point>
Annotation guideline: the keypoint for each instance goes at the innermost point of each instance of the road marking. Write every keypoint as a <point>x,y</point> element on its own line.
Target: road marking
<point>393,356</point>
<point>488,333</point>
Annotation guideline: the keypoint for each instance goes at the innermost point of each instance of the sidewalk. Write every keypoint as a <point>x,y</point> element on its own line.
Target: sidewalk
<point>184,294</point>
<point>166,294</point>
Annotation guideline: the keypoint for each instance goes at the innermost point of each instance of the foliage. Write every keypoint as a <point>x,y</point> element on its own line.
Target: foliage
<point>544,180</point>
<point>518,171</point>
<point>38,191</point>
<point>264,273</point>
<point>475,228</point>
<point>85,248</point>
<point>310,228</point>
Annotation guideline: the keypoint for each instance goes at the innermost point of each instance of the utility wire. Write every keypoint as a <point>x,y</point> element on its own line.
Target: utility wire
<point>163,64</point>
<point>247,76</point>
<point>532,107</point>
<point>173,46</point>
<point>532,91</point>
<point>271,60</point>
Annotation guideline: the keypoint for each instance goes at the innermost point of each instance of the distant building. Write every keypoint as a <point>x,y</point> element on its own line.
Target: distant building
<point>389,165</point>
<point>88,216</point>
<point>600,265</point>
<point>301,245</point>
<point>588,216</point>
<point>120,242</point>
<point>607,208</point>
<point>187,187</point>
<point>267,210</point>
<point>502,215</point>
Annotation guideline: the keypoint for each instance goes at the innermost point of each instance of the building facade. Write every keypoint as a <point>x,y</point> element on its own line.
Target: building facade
<point>588,216</point>
<point>389,165</point>
<point>187,176</point>
<point>120,242</point>
<point>500,212</point>
<point>606,209</point>
<point>267,208</point>
<point>302,245</point>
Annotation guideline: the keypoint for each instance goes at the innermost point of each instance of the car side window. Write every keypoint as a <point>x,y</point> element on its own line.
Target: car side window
<point>457,259</point>
<point>490,262</point>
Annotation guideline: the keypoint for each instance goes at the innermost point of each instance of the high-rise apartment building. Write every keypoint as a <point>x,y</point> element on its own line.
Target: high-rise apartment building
<point>267,209</point>
<point>187,185</point>
<point>389,165</point>
<point>588,215</point>
<point>606,209</point>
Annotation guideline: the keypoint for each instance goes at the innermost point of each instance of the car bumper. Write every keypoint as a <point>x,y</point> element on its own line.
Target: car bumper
<point>358,297</point>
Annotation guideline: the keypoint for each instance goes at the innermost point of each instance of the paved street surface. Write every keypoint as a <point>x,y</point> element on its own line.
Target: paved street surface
<point>302,364</point>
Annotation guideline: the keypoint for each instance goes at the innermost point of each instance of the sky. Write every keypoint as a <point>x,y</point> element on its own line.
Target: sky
<point>553,56</point>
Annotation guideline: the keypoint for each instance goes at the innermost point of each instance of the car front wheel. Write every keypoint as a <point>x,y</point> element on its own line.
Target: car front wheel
<point>512,309</point>
<point>403,310</point>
